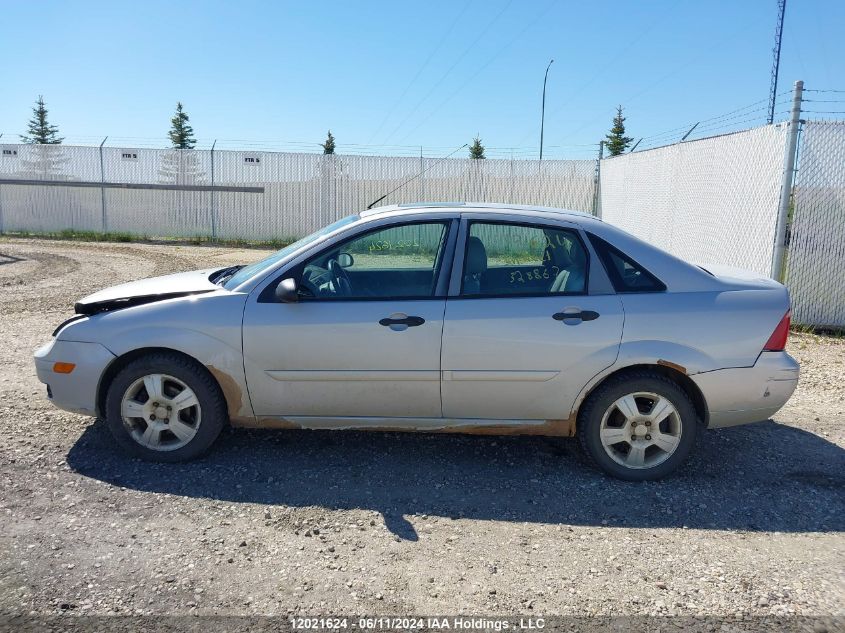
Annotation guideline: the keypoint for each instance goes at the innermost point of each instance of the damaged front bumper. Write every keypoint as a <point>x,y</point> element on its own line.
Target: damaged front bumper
<point>75,391</point>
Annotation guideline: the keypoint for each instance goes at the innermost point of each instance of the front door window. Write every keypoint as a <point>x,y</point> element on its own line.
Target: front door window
<point>397,262</point>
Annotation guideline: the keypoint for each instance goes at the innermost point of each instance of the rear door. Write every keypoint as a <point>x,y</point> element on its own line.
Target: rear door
<point>363,341</point>
<point>523,334</point>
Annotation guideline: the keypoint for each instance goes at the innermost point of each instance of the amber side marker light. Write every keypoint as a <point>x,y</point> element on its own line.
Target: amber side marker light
<point>63,368</point>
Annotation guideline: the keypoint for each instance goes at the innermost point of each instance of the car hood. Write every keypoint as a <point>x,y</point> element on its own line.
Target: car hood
<point>147,291</point>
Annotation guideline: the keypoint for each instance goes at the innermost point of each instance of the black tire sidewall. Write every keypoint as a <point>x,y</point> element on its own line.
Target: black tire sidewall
<point>607,394</point>
<point>196,377</point>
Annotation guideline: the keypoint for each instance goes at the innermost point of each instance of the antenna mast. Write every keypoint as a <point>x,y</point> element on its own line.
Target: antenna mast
<point>773,89</point>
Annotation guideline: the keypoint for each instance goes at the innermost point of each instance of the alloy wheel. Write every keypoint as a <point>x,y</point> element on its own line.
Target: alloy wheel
<point>161,412</point>
<point>641,430</point>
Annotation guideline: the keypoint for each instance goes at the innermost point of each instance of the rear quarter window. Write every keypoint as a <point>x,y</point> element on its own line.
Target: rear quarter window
<point>625,274</point>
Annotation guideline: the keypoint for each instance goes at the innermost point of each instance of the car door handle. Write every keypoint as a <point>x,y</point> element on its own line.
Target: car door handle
<point>584,315</point>
<point>410,321</point>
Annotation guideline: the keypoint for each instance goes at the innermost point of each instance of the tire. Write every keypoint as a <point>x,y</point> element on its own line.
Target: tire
<point>649,445</point>
<point>165,407</point>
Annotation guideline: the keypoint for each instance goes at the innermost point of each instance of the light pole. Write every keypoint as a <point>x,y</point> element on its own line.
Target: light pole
<point>543,109</point>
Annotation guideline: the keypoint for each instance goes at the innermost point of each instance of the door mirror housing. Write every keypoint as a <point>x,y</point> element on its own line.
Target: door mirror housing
<point>287,291</point>
<point>345,260</point>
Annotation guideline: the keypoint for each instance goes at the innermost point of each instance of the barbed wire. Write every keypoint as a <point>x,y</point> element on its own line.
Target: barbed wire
<point>733,114</point>
<point>576,151</point>
<point>752,113</point>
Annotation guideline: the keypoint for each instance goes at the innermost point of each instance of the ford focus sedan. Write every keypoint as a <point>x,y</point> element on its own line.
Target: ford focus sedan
<point>470,318</point>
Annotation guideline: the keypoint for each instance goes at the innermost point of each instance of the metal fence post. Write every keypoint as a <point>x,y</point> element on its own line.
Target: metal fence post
<point>597,183</point>
<point>422,176</point>
<point>786,184</point>
<point>512,196</point>
<point>213,212</point>
<point>1,203</point>
<point>104,224</point>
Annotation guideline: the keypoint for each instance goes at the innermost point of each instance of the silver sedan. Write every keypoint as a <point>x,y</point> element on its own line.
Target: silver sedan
<point>470,318</point>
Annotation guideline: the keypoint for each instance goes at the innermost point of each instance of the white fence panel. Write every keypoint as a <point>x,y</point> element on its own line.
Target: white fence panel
<point>297,193</point>
<point>713,200</point>
<point>815,266</point>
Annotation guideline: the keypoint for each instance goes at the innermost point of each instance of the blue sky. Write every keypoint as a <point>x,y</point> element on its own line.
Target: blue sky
<point>397,75</point>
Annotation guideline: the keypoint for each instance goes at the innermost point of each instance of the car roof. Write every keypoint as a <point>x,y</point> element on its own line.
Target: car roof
<point>475,207</point>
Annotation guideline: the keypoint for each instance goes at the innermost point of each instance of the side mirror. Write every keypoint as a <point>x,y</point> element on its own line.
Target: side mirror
<point>345,260</point>
<point>287,291</point>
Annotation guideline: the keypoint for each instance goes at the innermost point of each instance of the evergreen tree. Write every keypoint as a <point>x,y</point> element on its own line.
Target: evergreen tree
<point>476,150</point>
<point>181,133</point>
<point>41,132</point>
<point>328,146</point>
<point>617,142</point>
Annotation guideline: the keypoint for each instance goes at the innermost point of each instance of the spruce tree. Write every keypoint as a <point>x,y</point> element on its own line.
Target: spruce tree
<point>476,150</point>
<point>181,133</point>
<point>328,146</point>
<point>41,132</point>
<point>617,142</point>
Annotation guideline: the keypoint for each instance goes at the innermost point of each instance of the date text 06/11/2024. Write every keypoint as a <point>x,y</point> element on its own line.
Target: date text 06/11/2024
<point>399,623</point>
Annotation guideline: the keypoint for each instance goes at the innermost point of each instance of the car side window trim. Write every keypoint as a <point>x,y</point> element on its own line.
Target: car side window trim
<point>443,266</point>
<point>456,286</point>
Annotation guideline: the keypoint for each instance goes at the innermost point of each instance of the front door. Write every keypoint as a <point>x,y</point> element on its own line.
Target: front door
<point>524,336</point>
<point>363,341</point>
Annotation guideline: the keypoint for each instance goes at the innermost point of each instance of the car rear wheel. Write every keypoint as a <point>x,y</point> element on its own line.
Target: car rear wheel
<point>164,407</point>
<point>638,426</point>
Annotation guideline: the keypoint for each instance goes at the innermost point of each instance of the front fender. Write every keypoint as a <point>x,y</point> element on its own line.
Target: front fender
<point>222,358</point>
<point>205,327</point>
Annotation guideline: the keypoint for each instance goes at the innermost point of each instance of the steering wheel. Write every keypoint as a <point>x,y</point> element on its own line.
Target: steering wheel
<point>340,278</point>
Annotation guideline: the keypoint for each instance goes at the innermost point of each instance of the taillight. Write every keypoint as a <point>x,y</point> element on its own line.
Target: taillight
<point>777,341</point>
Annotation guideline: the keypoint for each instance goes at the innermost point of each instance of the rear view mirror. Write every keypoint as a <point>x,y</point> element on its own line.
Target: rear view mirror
<point>345,260</point>
<point>287,291</point>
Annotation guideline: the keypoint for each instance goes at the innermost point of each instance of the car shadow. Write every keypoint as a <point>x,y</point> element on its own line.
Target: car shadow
<point>760,477</point>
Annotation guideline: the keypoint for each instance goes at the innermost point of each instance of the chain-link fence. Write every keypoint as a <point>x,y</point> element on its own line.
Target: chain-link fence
<point>815,265</point>
<point>253,195</point>
<point>710,201</point>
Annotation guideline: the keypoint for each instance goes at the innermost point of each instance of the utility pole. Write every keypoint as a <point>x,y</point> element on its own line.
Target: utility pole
<point>773,88</point>
<point>543,108</point>
<point>786,186</point>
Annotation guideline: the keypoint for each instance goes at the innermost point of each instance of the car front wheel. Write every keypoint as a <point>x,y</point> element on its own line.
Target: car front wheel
<point>638,426</point>
<point>164,407</point>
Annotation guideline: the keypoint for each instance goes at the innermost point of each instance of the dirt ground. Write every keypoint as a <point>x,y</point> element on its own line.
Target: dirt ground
<point>316,523</point>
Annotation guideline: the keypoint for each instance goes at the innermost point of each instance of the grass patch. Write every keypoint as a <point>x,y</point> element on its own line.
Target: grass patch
<point>830,331</point>
<point>123,237</point>
<point>94,236</point>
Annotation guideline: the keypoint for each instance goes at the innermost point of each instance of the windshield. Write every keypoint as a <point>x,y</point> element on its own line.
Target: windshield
<point>247,272</point>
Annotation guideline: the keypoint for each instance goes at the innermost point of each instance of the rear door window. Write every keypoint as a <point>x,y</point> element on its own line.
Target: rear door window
<point>504,259</point>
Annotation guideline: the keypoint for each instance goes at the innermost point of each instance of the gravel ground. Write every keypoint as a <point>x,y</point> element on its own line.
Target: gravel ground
<point>311,522</point>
